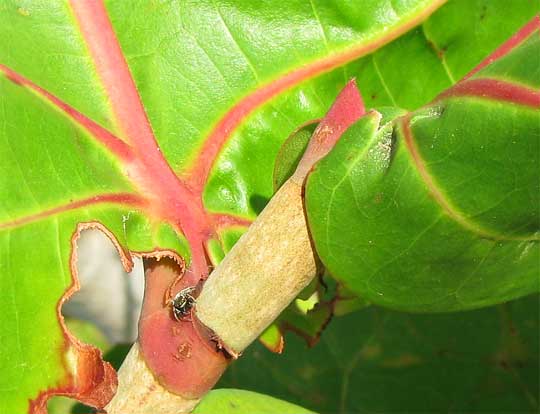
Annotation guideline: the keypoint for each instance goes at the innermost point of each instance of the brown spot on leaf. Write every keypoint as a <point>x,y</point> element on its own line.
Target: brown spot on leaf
<point>443,353</point>
<point>483,12</point>
<point>402,361</point>
<point>370,351</point>
<point>440,51</point>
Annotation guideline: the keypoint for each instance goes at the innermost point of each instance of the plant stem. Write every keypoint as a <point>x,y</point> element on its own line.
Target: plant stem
<point>262,274</point>
<point>267,268</point>
<point>139,392</point>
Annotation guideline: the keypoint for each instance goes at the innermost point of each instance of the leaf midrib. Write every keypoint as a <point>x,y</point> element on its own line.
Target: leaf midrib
<point>440,198</point>
<point>152,158</point>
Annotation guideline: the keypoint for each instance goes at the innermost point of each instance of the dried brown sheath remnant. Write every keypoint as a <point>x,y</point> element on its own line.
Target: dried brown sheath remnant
<point>89,379</point>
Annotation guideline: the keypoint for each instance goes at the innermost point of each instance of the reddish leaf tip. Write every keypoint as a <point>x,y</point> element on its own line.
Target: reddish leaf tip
<point>346,109</point>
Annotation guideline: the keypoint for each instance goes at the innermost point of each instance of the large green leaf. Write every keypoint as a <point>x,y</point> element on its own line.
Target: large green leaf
<point>245,402</point>
<point>383,361</point>
<point>222,84</point>
<point>114,115</point>
<point>438,210</point>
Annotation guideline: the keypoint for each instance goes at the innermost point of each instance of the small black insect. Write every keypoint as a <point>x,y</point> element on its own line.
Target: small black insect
<point>182,303</point>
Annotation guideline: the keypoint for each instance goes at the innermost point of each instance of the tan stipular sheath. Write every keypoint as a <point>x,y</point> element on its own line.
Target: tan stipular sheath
<point>262,274</point>
<point>271,263</point>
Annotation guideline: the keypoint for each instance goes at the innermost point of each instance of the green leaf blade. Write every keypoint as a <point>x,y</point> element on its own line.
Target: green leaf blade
<point>248,402</point>
<point>191,65</point>
<point>43,43</point>
<point>431,231</point>
<point>475,361</point>
<point>476,142</point>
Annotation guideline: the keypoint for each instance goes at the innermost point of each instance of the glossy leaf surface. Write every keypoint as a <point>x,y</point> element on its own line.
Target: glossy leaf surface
<point>377,360</point>
<point>245,402</point>
<point>438,209</point>
<point>113,115</point>
<point>161,123</point>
